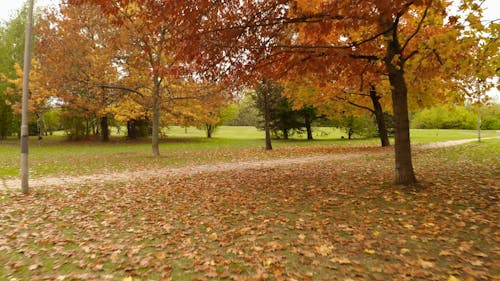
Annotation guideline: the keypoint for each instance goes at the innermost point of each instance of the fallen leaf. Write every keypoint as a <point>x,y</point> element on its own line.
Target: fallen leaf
<point>404,251</point>
<point>425,264</point>
<point>323,250</point>
<point>34,266</point>
<point>308,254</point>
<point>476,263</point>
<point>213,236</point>
<point>160,255</point>
<point>341,260</point>
<point>445,253</point>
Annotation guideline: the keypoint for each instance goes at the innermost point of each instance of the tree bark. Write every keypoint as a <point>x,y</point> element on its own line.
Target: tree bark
<point>38,127</point>
<point>399,93</point>
<point>155,126</point>
<point>104,128</point>
<point>45,131</point>
<point>308,128</point>
<point>404,167</point>
<point>379,116</point>
<point>267,117</point>
<point>130,132</point>
<point>209,130</point>
<point>87,127</point>
<point>285,134</point>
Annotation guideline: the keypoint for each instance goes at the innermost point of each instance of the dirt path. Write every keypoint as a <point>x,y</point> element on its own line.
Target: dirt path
<point>205,168</point>
<point>448,143</point>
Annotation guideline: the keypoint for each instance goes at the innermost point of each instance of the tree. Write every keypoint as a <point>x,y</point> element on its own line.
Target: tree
<point>78,50</point>
<point>480,49</point>
<point>277,111</point>
<point>36,105</point>
<point>331,97</point>
<point>11,53</point>
<point>157,59</point>
<point>246,113</point>
<point>206,112</point>
<point>315,36</point>
<point>267,95</point>
<point>310,114</point>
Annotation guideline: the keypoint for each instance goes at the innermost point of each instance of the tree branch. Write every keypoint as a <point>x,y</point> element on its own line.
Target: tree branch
<point>355,104</point>
<point>419,26</point>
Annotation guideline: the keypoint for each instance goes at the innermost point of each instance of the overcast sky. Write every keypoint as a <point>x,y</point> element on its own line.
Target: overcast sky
<point>8,7</point>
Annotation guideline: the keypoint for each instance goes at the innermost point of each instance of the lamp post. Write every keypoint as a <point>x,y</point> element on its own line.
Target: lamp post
<point>24,116</point>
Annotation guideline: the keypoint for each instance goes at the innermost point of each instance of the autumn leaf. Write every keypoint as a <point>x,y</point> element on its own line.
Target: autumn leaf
<point>160,255</point>
<point>34,266</point>
<point>425,264</point>
<point>308,254</point>
<point>341,260</point>
<point>369,251</point>
<point>445,253</point>
<point>404,250</point>
<point>323,250</point>
<point>213,236</point>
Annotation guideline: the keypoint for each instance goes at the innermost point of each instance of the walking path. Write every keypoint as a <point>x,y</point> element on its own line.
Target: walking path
<point>205,168</point>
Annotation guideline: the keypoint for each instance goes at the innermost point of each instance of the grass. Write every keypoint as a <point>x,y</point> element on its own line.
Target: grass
<point>54,156</point>
<point>321,221</point>
<point>420,136</point>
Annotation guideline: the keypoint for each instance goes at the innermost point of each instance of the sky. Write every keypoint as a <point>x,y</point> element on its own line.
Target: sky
<point>9,7</point>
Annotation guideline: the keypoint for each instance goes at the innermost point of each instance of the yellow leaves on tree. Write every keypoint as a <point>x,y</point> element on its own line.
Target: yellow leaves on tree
<point>39,95</point>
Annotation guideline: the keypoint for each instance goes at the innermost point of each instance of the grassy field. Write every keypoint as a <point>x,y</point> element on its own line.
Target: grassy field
<point>338,220</point>
<point>56,156</point>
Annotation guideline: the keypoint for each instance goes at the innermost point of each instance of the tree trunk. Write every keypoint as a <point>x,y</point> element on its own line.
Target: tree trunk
<point>87,127</point>
<point>379,116</point>
<point>404,166</point>
<point>267,117</point>
<point>285,134</point>
<point>402,148</point>
<point>95,128</point>
<point>104,128</point>
<point>45,131</point>
<point>130,132</point>
<point>209,130</point>
<point>307,123</point>
<point>155,127</point>
<point>38,126</point>
<point>394,64</point>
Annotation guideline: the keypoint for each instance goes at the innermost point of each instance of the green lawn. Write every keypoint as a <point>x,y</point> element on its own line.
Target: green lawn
<point>56,156</point>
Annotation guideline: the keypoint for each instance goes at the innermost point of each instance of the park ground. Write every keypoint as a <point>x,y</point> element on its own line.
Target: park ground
<point>335,219</point>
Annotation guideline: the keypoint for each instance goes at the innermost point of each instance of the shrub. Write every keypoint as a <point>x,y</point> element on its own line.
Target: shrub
<point>491,118</point>
<point>440,118</point>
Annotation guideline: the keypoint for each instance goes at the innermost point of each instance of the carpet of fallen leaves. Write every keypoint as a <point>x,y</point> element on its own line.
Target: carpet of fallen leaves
<point>342,220</point>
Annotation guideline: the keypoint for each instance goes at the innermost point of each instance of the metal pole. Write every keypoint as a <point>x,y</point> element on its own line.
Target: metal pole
<point>24,117</point>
